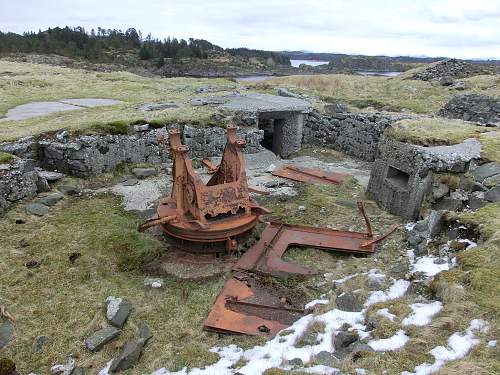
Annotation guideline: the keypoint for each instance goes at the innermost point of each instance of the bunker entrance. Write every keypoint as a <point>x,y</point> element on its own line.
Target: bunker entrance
<point>273,134</point>
<point>397,177</point>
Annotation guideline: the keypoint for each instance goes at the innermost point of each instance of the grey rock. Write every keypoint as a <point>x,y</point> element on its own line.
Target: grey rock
<point>448,204</point>
<point>69,190</point>
<point>157,106</point>
<point>483,109</point>
<point>37,209</point>
<point>144,172</point>
<point>446,81</point>
<point>51,200</point>
<point>492,181</point>
<point>100,338</point>
<point>458,85</point>
<point>400,268</point>
<point>42,185</point>
<point>325,358</point>
<point>144,331</point>
<point>294,362</point>
<point>117,310</point>
<point>344,339</point>
<point>358,349</point>
<point>476,202</point>
<point>334,108</point>
<point>287,93</point>
<point>493,195</point>
<point>130,182</point>
<point>6,333</point>
<point>154,282</point>
<point>39,343</point>
<point>348,302</point>
<point>69,367</point>
<point>439,190</point>
<point>78,371</point>
<point>141,127</point>
<point>485,171</point>
<point>272,184</point>
<point>128,356</point>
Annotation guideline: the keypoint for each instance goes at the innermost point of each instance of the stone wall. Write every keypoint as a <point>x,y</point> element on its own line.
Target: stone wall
<point>19,180</point>
<point>90,155</point>
<point>473,107</point>
<point>356,134</point>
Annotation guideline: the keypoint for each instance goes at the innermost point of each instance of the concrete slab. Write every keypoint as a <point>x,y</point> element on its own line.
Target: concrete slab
<point>258,103</point>
<point>26,111</point>
<point>35,109</point>
<point>90,102</point>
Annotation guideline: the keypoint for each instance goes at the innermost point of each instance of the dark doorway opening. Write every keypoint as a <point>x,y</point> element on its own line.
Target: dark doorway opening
<point>397,177</point>
<point>273,134</point>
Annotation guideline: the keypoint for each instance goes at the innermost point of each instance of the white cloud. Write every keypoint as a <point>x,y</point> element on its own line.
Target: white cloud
<point>458,28</point>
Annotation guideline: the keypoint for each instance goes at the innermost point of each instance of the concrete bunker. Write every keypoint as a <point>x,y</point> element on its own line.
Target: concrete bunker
<point>280,118</point>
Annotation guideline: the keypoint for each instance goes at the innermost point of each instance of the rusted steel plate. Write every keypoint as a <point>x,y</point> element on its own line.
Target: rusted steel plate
<point>310,175</point>
<point>264,257</point>
<point>244,307</point>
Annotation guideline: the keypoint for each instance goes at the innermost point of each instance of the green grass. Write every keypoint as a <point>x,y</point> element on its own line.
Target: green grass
<point>6,157</point>
<point>432,131</point>
<point>27,83</point>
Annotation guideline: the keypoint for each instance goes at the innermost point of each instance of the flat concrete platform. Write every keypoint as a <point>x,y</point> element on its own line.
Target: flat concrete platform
<point>258,103</point>
<point>35,109</point>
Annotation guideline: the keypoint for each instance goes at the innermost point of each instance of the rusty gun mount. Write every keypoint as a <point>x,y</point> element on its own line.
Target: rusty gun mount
<point>214,212</point>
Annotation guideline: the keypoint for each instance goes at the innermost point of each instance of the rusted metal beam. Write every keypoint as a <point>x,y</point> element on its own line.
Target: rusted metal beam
<point>310,175</point>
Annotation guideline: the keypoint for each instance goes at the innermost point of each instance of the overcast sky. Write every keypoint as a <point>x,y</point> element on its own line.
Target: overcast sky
<point>454,28</point>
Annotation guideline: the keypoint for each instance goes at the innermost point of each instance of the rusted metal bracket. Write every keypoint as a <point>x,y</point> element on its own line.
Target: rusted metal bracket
<point>310,175</point>
<point>244,307</point>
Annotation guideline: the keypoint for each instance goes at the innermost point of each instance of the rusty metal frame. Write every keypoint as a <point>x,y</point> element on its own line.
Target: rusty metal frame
<point>212,212</point>
<point>310,175</point>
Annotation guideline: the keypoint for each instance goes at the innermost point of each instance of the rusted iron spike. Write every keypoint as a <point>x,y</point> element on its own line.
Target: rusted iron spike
<point>374,241</point>
<point>211,167</point>
<point>155,221</point>
<point>361,207</point>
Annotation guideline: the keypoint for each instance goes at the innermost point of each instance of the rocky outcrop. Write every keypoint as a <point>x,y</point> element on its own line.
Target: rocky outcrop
<point>473,107</point>
<point>356,134</point>
<point>452,68</point>
<point>19,180</point>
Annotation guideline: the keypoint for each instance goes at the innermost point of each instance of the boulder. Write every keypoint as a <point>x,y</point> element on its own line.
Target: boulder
<point>37,209</point>
<point>348,302</point>
<point>117,311</point>
<point>39,343</point>
<point>326,359</point>
<point>344,339</point>
<point>144,331</point>
<point>128,357</point>
<point>100,338</point>
<point>49,175</point>
<point>485,171</point>
<point>143,172</point>
<point>69,190</point>
<point>6,333</point>
<point>492,181</point>
<point>493,195</point>
<point>51,199</point>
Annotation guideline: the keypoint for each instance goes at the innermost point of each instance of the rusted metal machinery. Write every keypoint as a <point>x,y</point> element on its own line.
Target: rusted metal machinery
<point>310,175</point>
<point>214,212</point>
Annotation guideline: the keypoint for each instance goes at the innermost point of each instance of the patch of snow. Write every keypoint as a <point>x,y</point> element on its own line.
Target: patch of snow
<point>397,290</point>
<point>392,343</point>
<point>105,370</point>
<point>410,226</point>
<point>492,343</point>
<point>422,313</point>
<point>427,266</point>
<point>385,312</point>
<point>360,371</point>
<point>459,344</point>
<point>344,279</point>
<point>319,369</point>
<point>156,284</point>
<point>316,302</point>
<point>375,275</point>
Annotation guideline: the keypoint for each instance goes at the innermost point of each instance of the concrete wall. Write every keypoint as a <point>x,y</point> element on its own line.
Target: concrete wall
<point>287,133</point>
<point>399,179</point>
<point>356,134</point>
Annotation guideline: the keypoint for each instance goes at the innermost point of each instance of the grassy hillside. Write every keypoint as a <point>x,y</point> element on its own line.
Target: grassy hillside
<point>22,83</point>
